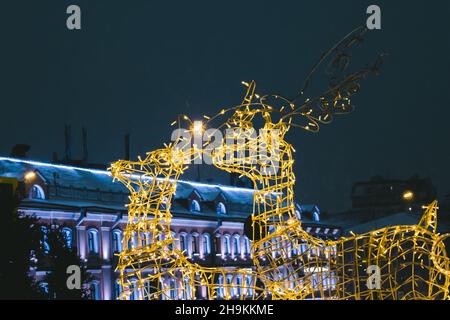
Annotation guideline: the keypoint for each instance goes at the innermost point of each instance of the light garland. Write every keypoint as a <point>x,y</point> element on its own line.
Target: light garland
<point>288,262</point>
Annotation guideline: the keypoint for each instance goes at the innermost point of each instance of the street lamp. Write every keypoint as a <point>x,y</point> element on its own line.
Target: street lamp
<point>30,175</point>
<point>408,195</point>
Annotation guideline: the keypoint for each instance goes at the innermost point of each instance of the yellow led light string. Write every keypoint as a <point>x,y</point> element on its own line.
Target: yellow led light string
<point>288,262</point>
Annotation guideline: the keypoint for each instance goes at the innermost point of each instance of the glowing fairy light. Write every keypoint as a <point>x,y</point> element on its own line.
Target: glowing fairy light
<point>288,262</point>
<point>197,127</point>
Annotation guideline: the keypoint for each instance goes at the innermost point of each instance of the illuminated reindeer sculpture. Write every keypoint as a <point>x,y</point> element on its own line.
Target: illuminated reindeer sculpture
<point>409,262</point>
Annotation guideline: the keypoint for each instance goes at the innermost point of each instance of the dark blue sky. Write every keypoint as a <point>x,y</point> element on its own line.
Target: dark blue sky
<point>135,65</point>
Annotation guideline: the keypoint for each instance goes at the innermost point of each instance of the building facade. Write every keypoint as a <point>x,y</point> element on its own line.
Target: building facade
<point>208,220</point>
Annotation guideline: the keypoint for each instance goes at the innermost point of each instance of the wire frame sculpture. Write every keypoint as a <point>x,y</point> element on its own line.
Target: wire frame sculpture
<point>288,263</point>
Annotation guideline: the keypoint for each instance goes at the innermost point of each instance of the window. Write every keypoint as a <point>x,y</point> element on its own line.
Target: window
<point>44,242</point>
<point>37,192</point>
<point>303,248</point>
<point>316,217</point>
<point>43,286</point>
<point>67,234</point>
<point>172,288</point>
<point>93,241</point>
<point>237,289</point>
<point>247,246</point>
<point>187,291</point>
<point>221,209</point>
<point>226,245</point>
<point>132,241</point>
<point>220,289</point>
<point>298,214</point>
<point>134,291</point>
<point>194,243</point>
<point>117,240</point>
<point>171,244</point>
<point>206,244</point>
<point>217,246</point>
<point>163,204</point>
<point>195,206</point>
<point>229,285</point>
<point>249,285</point>
<point>236,246</point>
<point>146,291</point>
<point>117,289</point>
<point>94,290</point>
<point>183,243</point>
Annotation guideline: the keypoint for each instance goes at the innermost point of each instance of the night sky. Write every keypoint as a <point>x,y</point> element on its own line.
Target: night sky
<point>135,65</point>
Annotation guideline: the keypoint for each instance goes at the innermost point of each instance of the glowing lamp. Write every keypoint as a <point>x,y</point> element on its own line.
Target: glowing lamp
<point>408,195</point>
<point>197,127</point>
<point>30,175</point>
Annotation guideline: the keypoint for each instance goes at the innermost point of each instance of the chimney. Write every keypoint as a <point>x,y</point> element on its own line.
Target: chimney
<point>20,150</point>
<point>85,147</point>
<point>67,139</point>
<point>127,146</point>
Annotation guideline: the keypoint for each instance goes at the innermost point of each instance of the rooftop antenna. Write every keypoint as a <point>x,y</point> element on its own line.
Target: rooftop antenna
<point>67,139</point>
<point>85,147</point>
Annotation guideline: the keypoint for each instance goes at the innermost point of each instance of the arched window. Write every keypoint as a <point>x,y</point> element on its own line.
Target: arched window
<point>249,285</point>
<point>195,206</point>
<point>94,290</point>
<point>44,242</point>
<point>316,216</point>
<point>294,251</point>
<point>171,244</point>
<point>206,241</point>
<point>298,214</point>
<point>247,246</point>
<point>236,245</point>
<point>226,245</point>
<point>172,288</point>
<point>163,204</point>
<point>37,192</point>
<point>117,240</point>
<point>187,290</point>
<point>67,234</point>
<point>43,286</point>
<point>93,241</point>
<point>229,285</point>
<point>220,289</point>
<point>117,289</point>
<point>217,245</point>
<point>132,241</point>
<point>183,242</point>
<point>221,209</point>
<point>134,289</point>
<point>194,243</point>
<point>147,290</point>
<point>237,289</point>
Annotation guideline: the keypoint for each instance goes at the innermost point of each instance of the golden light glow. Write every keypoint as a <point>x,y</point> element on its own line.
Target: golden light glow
<point>30,175</point>
<point>408,195</point>
<point>197,127</point>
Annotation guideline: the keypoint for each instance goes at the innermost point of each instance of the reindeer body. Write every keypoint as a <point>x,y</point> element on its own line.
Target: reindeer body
<point>411,259</point>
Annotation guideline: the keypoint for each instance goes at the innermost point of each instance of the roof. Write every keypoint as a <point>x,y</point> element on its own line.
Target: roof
<point>75,187</point>
<point>359,223</point>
